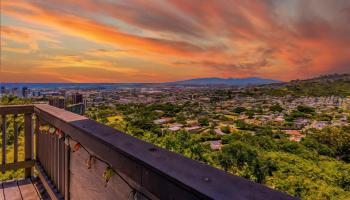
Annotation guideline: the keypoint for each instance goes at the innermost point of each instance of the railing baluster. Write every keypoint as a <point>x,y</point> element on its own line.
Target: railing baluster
<point>66,170</point>
<point>49,144</point>
<point>3,141</point>
<point>61,164</point>
<point>15,130</point>
<point>58,165</point>
<point>42,147</point>
<point>47,168</point>
<point>59,161</point>
<point>46,152</point>
<point>37,138</point>
<point>43,152</point>
<point>51,156</point>
<point>28,139</point>
<point>54,159</point>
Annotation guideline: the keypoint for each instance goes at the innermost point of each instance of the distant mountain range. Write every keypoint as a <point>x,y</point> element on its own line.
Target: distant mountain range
<point>226,81</point>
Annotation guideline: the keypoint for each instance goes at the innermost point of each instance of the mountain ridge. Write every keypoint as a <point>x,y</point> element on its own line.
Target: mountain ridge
<point>226,81</point>
<point>325,85</point>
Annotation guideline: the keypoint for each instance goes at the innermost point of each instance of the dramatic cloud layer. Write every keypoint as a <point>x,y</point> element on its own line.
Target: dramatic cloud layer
<point>156,41</point>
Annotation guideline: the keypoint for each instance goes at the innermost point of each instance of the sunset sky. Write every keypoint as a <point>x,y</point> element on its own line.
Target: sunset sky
<point>159,40</point>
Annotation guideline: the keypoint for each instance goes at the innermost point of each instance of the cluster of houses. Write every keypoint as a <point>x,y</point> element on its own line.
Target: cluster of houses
<point>218,106</point>
<point>222,108</point>
<point>323,105</point>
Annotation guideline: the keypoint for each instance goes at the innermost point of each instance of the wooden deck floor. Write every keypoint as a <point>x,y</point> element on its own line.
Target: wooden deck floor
<point>25,189</point>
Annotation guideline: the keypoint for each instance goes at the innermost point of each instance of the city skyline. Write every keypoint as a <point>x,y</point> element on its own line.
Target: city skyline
<point>163,41</point>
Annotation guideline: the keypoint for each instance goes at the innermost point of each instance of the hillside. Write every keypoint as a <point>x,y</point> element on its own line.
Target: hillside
<point>328,85</point>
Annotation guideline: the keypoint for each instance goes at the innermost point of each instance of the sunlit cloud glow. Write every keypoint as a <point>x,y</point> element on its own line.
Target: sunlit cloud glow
<point>157,41</point>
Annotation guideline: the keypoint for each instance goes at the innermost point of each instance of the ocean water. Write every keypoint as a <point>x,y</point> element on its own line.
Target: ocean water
<point>74,85</point>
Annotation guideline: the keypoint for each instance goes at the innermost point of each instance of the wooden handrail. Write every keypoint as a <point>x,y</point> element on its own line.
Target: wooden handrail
<point>155,172</point>
<point>16,109</point>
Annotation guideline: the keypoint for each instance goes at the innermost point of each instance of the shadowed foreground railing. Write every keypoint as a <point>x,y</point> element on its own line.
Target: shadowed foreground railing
<point>78,158</point>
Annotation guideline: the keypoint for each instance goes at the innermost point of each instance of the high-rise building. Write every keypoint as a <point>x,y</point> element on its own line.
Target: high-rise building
<point>58,102</point>
<point>36,93</point>
<point>14,92</point>
<point>3,90</point>
<point>25,92</point>
<point>77,98</point>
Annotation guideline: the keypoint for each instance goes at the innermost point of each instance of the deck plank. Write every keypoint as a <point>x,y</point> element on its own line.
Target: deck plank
<point>11,191</point>
<point>1,192</point>
<point>28,190</point>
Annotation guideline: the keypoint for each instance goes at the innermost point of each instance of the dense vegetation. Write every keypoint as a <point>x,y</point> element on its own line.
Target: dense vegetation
<point>316,168</point>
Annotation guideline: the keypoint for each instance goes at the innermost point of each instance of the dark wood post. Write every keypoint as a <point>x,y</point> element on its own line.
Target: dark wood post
<point>3,142</point>
<point>66,167</point>
<point>15,130</point>
<point>37,136</point>
<point>28,142</point>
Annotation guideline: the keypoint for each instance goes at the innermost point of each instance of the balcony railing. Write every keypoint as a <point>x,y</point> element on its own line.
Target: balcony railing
<point>78,158</point>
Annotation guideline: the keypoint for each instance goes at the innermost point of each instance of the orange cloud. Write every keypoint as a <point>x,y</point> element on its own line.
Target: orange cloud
<point>27,37</point>
<point>96,31</point>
